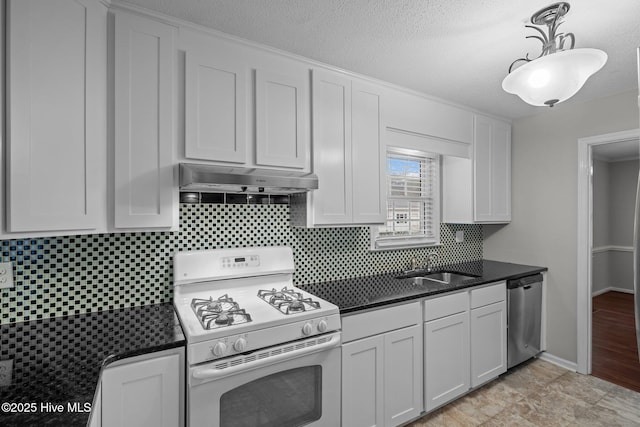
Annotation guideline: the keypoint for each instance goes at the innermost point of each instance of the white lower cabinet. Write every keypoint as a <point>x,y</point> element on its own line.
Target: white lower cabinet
<point>146,391</point>
<point>489,335</point>
<point>446,359</point>
<point>402,375</point>
<point>465,343</point>
<point>382,367</point>
<point>446,349</point>
<point>362,378</point>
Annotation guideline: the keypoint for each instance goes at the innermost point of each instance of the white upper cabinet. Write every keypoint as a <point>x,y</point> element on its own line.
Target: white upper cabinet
<point>244,105</point>
<point>282,115</point>
<point>425,117</point>
<point>478,190</point>
<point>215,106</point>
<point>56,116</point>
<point>144,68</point>
<point>348,155</point>
<point>492,167</point>
<point>367,154</point>
<point>331,202</point>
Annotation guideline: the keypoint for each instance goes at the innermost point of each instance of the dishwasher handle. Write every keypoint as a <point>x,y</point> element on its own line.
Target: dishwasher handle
<point>524,282</point>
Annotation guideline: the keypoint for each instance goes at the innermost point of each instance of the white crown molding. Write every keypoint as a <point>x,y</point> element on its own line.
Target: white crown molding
<point>181,23</point>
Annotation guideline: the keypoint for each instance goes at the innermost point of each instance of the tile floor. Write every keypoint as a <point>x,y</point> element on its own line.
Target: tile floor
<point>539,393</point>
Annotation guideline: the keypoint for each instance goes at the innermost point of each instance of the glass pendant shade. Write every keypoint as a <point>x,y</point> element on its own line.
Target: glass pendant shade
<point>554,78</point>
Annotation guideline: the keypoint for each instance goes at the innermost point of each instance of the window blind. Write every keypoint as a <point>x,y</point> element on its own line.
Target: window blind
<point>412,201</point>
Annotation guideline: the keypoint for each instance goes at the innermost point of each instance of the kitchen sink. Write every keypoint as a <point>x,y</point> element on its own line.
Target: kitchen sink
<point>447,277</point>
<point>437,278</point>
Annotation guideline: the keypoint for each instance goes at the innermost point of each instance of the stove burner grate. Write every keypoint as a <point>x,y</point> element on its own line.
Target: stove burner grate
<point>219,313</point>
<point>288,301</point>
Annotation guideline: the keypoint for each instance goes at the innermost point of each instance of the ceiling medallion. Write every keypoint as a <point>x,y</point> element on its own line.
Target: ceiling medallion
<point>559,71</point>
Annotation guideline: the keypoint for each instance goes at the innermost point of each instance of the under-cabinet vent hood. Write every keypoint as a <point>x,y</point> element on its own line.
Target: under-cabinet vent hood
<point>224,179</point>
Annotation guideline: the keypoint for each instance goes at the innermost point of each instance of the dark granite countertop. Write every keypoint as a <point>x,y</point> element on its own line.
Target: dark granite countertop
<point>58,361</point>
<point>362,293</point>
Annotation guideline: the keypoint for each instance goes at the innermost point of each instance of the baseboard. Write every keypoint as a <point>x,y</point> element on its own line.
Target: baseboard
<point>548,357</point>
<point>611,288</point>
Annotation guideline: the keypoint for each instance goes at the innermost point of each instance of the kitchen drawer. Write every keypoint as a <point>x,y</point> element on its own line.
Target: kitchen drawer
<point>488,295</point>
<point>379,321</point>
<point>446,306</point>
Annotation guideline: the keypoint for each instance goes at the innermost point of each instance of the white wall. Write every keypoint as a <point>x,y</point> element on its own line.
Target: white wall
<point>624,178</point>
<point>601,278</point>
<point>601,201</point>
<point>544,202</point>
<point>614,192</point>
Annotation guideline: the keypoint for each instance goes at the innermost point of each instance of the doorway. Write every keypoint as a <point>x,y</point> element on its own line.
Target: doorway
<point>614,355</point>
<point>616,144</point>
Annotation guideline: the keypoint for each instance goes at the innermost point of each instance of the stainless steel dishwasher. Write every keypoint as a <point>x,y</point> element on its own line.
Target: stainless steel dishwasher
<point>524,305</point>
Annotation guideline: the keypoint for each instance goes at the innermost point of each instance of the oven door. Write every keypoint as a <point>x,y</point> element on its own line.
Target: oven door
<point>297,384</point>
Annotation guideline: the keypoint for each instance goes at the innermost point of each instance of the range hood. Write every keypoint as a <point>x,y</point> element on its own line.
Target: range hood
<point>224,179</point>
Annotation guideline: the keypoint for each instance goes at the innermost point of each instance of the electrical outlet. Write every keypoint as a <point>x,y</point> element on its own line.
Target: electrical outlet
<point>6,372</point>
<point>459,236</point>
<point>6,275</point>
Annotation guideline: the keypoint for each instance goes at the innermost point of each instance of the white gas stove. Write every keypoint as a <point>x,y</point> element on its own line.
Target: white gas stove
<point>233,301</point>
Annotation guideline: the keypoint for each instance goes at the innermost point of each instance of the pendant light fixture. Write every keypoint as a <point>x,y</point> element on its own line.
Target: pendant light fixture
<point>559,71</point>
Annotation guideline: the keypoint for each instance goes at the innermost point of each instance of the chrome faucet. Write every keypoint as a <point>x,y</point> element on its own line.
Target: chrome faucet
<point>432,258</point>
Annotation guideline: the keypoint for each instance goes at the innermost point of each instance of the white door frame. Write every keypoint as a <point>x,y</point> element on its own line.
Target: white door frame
<point>585,237</point>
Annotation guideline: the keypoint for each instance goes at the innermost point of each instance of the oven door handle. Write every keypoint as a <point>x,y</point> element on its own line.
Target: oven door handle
<point>208,374</point>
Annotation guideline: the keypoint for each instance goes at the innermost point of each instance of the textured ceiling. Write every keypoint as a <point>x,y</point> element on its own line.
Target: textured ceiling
<point>456,50</point>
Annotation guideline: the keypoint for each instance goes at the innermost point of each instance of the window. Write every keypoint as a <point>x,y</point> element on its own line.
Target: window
<point>413,201</point>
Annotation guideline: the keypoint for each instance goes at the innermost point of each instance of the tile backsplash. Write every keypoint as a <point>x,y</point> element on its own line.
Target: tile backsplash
<point>58,276</point>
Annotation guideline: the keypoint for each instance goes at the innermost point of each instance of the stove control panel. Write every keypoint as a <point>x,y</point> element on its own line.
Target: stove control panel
<point>241,261</point>
<point>260,339</point>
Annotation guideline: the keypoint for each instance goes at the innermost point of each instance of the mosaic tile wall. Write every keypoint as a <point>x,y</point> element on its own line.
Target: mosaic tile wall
<point>78,274</point>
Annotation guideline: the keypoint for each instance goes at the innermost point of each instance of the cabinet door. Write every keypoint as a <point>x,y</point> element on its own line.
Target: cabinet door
<point>446,359</point>
<point>332,148</point>
<point>215,107</point>
<point>501,172</point>
<point>362,382</point>
<point>368,158</point>
<point>488,343</point>
<point>144,116</point>
<point>282,109</point>
<point>56,114</point>
<point>95,419</point>
<point>141,394</point>
<point>492,170</point>
<point>402,375</point>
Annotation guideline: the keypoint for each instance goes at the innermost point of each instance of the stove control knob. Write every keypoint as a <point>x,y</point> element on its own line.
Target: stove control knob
<point>307,329</point>
<point>219,349</point>
<point>322,326</point>
<point>240,345</point>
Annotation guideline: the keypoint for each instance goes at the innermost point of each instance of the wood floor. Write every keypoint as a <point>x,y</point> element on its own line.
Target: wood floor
<point>614,350</point>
